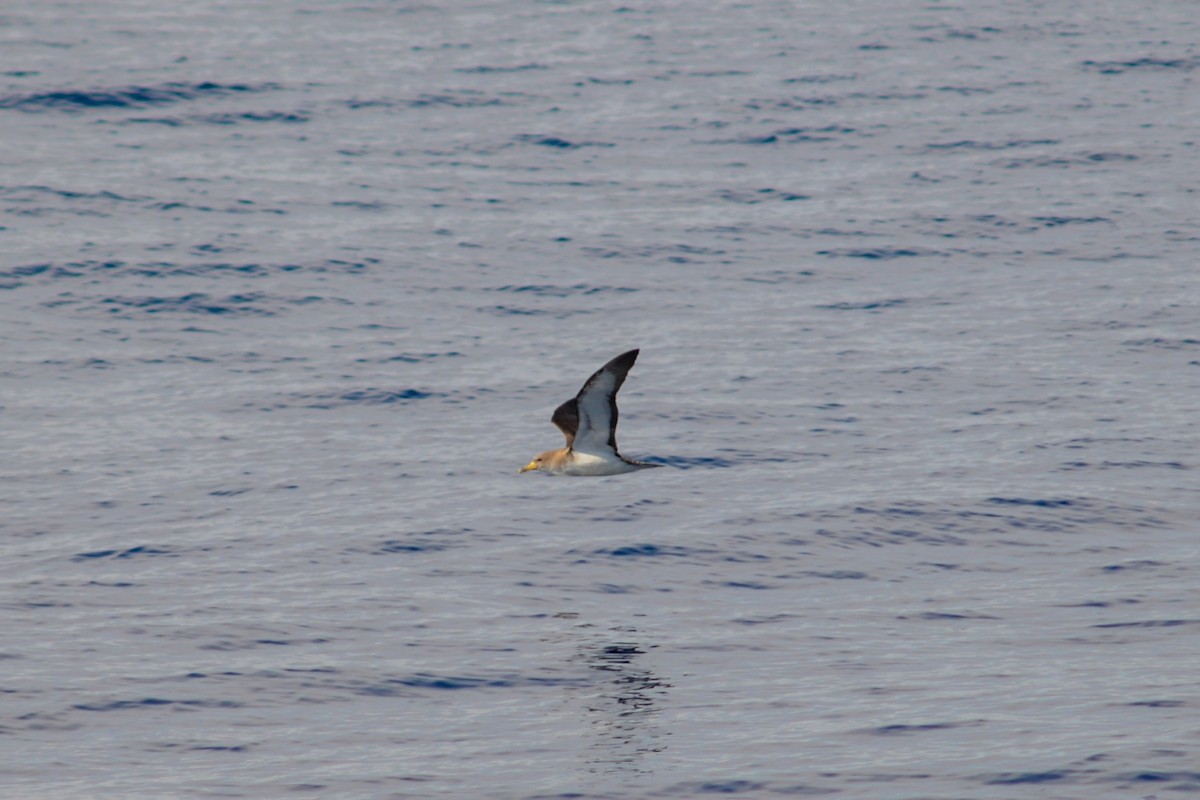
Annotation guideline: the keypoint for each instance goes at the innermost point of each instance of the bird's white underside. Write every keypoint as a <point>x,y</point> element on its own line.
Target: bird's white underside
<point>595,464</point>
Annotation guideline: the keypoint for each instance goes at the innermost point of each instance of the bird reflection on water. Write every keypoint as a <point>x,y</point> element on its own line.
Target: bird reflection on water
<point>622,710</point>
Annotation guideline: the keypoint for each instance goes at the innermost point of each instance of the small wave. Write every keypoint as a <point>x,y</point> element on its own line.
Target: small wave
<point>155,702</point>
<point>969,144</point>
<point>73,100</point>
<point>871,305</point>
<point>879,253</point>
<point>484,69</point>
<point>193,303</point>
<point>132,552</point>
<point>1147,63</point>
<point>755,196</point>
<point>553,290</point>
<point>685,462</point>
<point>557,142</point>
<point>645,550</point>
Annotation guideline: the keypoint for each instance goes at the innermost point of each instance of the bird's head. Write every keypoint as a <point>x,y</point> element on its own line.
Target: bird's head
<point>545,461</point>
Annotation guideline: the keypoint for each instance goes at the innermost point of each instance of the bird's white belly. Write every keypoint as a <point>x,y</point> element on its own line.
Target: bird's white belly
<point>589,464</point>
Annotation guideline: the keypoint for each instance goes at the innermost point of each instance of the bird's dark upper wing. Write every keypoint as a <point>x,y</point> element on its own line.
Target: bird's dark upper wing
<point>566,417</point>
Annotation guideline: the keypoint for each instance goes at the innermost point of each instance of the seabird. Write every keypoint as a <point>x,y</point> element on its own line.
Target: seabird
<point>589,423</point>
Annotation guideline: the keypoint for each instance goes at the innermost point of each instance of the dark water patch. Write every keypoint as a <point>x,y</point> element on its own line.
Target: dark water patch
<point>745,457</point>
<point>463,98</point>
<point>1124,465</point>
<point>24,194</point>
<point>168,122</point>
<point>1063,162</point>
<point>409,358</point>
<point>82,363</point>
<point>792,103</point>
<point>971,144</point>
<point>484,69</point>
<point>231,748</point>
<point>1020,501</point>
<point>369,397</point>
<point>1058,222</point>
<point>217,269</point>
<point>935,616</point>
<point>182,359</point>
<point>557,143</point>
<point>1142,564</point>
<point>818,79</point>
<point>755,196</point>
<point>1149,623</point>
<point>755,585</point>
<point>615,588</point>
<point>555,290</point>
<point>768,620</point>
<point>670,253</point>
<point>374,397</point>
<point>427,542</point>
<point>195,303</point>
<point>996,225</point>
<point>876,96</point>
<point>132,552</point>
<point>73,100</point>
<point>900,730</point>
<point>451,99</point>
<point>155,702</point>
<point>1189,781</point>
<point>230,492</point>
<point>239,207</point>
<point>229,645</point>
<point>1162,343</point>
<point>965,91</point>
<point>607,81</point>
<point>836,575</point>
<point>1013,778</point>
<point>611,656</point>
<point>999,523</point>
<point>870,305</point>
<point>1098,157</point>
<point>505,311</point>
<point>453,683</point>
<point>879,253</point>
<point>725,787</point>
<point>229,118</point>
<point>942,33</point>
<point>1146,63</point>
<point>646,551</point>
<point>780,276</point>
<point>826,133</point>
<point>1100,603</point>
<point>1158,703</point>
<point>17,276</point>
<point>361,205</point>
<point>45,273</point>
<point>685,462</point>
<point>895,371</point>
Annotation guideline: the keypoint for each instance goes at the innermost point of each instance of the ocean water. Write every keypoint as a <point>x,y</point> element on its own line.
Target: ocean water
<point>288,293</point>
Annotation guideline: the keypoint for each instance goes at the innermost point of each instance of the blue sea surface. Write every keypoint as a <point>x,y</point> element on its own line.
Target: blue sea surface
<point>289,292</point>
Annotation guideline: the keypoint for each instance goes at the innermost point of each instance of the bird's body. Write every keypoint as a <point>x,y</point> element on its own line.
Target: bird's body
<point>589,424</point>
